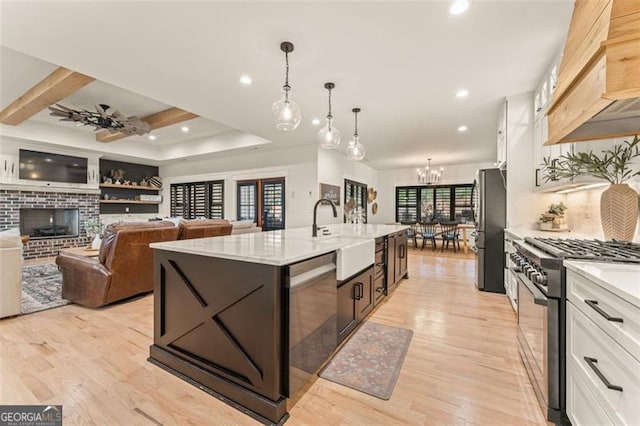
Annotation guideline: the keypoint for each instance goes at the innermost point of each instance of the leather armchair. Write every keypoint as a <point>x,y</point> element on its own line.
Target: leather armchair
<point>124,266</point>
<point>204,228</point>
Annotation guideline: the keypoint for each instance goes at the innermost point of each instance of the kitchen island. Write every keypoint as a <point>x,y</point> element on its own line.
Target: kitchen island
<point>236,317</point>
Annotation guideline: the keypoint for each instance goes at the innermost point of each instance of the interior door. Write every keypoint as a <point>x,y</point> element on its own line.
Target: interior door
<point>273,204</point>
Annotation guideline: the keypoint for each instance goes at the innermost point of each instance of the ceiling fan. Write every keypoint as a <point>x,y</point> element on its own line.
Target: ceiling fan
<point>104,118</point>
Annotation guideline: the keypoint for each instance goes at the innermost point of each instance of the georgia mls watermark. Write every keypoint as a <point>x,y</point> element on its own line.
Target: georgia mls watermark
<point>30,415</point>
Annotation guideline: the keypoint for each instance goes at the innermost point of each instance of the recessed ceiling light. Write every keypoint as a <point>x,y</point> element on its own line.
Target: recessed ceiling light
<point>48,160</point>
<point>152,137</point>
<point>462,93</point>
<point>462,129</point>
<point>458,7</point>
<point>184,129</point>
<point>246,80</point>
<point>315,122</point>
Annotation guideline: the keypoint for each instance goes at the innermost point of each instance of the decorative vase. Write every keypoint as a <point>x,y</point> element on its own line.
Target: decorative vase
<point>97,241</point>
<point>619,212</point>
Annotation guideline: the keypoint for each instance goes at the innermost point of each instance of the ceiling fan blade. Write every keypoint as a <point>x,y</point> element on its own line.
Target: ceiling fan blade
<point>64,108</point>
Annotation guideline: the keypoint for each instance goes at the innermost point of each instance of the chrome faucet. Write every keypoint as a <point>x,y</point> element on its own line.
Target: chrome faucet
<point>315,227</point>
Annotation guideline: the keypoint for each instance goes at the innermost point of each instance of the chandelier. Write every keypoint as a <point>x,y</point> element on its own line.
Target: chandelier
<point>430,176</point>
<point>103,119</point>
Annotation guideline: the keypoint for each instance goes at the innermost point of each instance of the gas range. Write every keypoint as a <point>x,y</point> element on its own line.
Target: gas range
<point>537,266</point>
<point>599,251</point>
<point>540,259</point>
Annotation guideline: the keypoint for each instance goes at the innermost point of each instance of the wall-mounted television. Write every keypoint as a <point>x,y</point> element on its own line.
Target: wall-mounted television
<point>49,167</point>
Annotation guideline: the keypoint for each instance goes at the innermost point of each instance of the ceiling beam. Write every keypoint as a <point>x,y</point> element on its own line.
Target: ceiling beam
<point>55,87</point>
<point>159,119</point>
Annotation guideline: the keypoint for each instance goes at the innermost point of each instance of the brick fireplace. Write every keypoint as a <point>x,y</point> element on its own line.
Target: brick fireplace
<point>13,201</point>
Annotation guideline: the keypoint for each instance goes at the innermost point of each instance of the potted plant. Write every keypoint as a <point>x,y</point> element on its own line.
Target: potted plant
<point>619,203</point>
<point>553,219</point>
<point>93,228</point>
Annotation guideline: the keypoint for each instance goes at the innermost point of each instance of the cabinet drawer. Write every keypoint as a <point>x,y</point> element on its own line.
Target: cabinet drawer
<point>610,362</point>
<point>379,244</point>
<point>582,408</point>
<point>379,264</point>
<point>602,302</point>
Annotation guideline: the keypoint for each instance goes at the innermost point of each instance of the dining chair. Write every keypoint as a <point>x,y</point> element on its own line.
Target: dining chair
<point>412,233</point>
<point>450,233</point>
<point>429,231</point>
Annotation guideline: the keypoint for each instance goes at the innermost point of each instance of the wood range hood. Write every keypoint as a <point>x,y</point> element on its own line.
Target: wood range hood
<point>598,89</point>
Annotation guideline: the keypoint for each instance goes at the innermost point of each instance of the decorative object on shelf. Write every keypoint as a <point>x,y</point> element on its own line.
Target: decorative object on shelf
<point>329,136</point>
<point>553,219</point>
<point>619,203</point>
<point>286,112</point>
<point>430,176</point>
<point>117,175</point>
<point>372,194</point>
<point>374,208</point>
<point>144,182</point>
<point>105,196</point>
<point>355,150</point>
<point>330,192</point>
<point>104,118</point>
<point>155,182</point>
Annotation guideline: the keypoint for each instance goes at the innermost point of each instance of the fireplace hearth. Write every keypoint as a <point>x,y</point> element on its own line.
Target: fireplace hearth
<point>49,223</point>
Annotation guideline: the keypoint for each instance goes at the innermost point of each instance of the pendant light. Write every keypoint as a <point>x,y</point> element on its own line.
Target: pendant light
<point>355,150</point>
<point>329,136</point>
<point>286,113</point>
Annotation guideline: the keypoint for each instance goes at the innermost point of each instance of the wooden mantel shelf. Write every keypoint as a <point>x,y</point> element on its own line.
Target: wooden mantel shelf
<point>140,188</point>
<point>128,202</point>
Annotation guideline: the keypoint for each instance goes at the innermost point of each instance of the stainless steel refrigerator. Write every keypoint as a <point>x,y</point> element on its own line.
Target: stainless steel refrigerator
<point>491,219</point>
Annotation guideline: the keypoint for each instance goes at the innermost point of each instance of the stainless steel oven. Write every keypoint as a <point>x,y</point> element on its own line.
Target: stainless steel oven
<point>540,325</point>
<point>539,341</point>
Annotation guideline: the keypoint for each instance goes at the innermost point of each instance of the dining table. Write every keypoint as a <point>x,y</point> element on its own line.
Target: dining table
<point>463,227</point>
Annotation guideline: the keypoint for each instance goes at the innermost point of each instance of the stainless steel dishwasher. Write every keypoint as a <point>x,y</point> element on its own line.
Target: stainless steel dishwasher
<point>312,293</point>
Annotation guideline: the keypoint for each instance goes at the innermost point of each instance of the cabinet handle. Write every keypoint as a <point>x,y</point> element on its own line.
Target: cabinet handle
<point>594,305</point>
<point>537,178</point>
<point>379,289</point>
<point>358,291</point>
<point>591,362</point>
<point>401,255</point>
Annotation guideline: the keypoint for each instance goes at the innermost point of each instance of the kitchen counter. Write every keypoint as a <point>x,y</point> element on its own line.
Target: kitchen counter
<point>281,247</point>
<point>238,315</point>
<point>521,233</point>
<point>620,279</point>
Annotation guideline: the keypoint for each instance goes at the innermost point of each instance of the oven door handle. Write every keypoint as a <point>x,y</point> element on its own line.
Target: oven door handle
<point>538,297</point>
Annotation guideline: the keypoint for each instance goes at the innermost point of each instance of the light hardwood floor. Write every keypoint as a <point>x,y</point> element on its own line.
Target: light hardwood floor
<point>462,366</point>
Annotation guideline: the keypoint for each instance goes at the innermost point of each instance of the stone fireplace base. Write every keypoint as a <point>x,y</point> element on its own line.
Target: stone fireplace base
<point>12,200</point>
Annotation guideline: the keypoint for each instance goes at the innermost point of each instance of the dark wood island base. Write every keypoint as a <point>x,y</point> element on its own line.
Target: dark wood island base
<point>250,403</point>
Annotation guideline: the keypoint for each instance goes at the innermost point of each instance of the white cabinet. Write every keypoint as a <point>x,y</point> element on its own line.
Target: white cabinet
<point>510,280</point>
<point>502,135</point>
<point>603,371</point>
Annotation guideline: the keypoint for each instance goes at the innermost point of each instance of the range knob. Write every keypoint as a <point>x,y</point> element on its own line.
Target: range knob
<point>541,279</point>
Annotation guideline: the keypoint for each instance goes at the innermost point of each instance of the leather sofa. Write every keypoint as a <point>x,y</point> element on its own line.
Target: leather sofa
<point>124,266</point>
<point>189,229</point>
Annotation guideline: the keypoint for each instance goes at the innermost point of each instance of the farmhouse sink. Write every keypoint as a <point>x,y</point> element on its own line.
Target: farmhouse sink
<point>354,257</point>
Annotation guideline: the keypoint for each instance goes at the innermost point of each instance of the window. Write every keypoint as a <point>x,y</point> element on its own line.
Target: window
<point>358,192</point>
<point>463,208</point>
<point>198,199</point>
<point>266,196</point>
<point>434,203</point>
<point>406,204</point>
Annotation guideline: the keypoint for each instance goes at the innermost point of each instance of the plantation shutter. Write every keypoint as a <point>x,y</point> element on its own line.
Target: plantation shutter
<point>198,200</point>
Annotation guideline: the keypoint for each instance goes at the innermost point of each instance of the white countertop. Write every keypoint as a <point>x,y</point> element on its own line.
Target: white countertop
<point>521,233</point>
<point>622,279</point>
<point>279,247</point>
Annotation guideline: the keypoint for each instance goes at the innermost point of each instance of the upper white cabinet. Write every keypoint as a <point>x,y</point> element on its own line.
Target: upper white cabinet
<point>502,135</point>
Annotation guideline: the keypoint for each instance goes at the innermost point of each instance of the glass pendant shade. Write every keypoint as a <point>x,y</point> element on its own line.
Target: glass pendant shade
<point>286,113</point>
<point>329,136</point>
<point>356,151</point>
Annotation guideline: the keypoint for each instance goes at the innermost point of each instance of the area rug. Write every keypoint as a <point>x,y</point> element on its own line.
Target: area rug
<point>41,288</point>
<point>371,360</point>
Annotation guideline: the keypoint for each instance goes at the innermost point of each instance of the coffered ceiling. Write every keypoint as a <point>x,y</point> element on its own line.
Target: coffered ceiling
<point>401,62</point>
